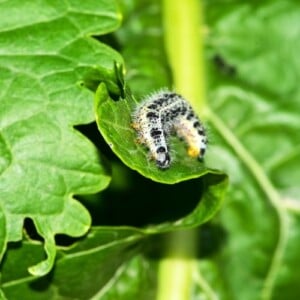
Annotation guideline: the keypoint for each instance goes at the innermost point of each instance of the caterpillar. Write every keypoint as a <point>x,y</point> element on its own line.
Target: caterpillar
<point>162,114</point>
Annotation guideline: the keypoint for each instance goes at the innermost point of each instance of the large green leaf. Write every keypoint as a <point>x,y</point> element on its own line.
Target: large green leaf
<point>100,265</point>
<point>44,56</point>
<point>87,269</point>
<point>110,263</point>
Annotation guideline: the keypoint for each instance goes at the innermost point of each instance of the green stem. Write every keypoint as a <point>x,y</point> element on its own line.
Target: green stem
<point>184,46</point>
<point>175,274</point>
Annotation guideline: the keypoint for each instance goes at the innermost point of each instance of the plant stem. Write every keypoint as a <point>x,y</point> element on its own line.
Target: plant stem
<point>175,274</point>
<point>178,274</point>
<point>184,46</point>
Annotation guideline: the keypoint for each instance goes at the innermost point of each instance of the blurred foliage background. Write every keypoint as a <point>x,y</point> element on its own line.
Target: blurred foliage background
<point>248,250</point>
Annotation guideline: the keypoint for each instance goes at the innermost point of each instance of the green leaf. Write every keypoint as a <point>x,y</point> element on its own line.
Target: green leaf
<point>45,55</point>
<point>87,269</point>
<point>110,263</point>
<point>114,122</point>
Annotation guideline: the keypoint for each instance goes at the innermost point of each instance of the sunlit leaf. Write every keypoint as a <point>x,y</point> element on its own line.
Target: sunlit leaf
<point>44,56</point>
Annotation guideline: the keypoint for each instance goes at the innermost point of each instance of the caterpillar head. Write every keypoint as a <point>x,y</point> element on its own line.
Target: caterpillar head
<point>162,158</point>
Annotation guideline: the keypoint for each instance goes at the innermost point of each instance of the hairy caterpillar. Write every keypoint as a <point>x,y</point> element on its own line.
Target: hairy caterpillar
<point>160,115</point>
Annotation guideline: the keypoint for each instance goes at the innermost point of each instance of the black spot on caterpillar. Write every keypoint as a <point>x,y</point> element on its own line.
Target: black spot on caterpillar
<point>160,114</point>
